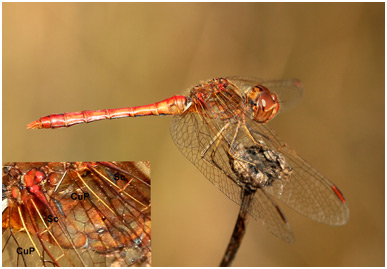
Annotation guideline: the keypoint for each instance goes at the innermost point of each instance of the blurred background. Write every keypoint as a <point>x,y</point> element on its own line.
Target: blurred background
<point>63,57</point>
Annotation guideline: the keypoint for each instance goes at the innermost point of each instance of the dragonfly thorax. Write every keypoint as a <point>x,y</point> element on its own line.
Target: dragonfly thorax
<point>217,99</point>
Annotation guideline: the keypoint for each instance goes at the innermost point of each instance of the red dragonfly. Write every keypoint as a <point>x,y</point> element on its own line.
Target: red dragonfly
<point>76,214</point>
<point>220,127</point>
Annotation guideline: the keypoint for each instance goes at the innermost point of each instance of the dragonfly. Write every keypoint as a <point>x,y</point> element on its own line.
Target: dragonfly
<point>76,214</point>
<point>220,125</point>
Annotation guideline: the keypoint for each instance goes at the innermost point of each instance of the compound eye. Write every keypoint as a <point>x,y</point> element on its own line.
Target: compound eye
<point>267,101</point>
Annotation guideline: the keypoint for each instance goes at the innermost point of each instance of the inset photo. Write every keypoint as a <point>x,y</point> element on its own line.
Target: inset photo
<point>76,214</point>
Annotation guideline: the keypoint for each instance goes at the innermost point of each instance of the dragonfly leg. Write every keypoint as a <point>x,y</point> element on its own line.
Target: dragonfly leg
<point>215,143</point>
<point>216,140</point>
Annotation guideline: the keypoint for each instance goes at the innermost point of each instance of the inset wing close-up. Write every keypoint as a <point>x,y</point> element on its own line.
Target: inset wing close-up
<point>77,214</point>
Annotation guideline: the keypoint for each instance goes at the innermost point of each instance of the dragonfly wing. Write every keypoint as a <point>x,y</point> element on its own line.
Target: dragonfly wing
<point>192,134</point>
<point>264,209</point>
<point>306,190</point>
<point>195,139</point>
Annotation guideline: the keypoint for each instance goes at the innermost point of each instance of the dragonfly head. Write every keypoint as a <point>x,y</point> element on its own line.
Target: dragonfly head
<point>263,104</point>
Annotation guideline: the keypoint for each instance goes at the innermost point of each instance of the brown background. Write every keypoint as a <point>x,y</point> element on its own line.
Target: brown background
<point>69,57</point>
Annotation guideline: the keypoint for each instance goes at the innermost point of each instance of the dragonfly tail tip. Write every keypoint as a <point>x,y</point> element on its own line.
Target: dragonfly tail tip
<point>34,125</point>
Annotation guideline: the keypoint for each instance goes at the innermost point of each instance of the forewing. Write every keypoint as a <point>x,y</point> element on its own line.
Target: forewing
<point>192,134</point>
